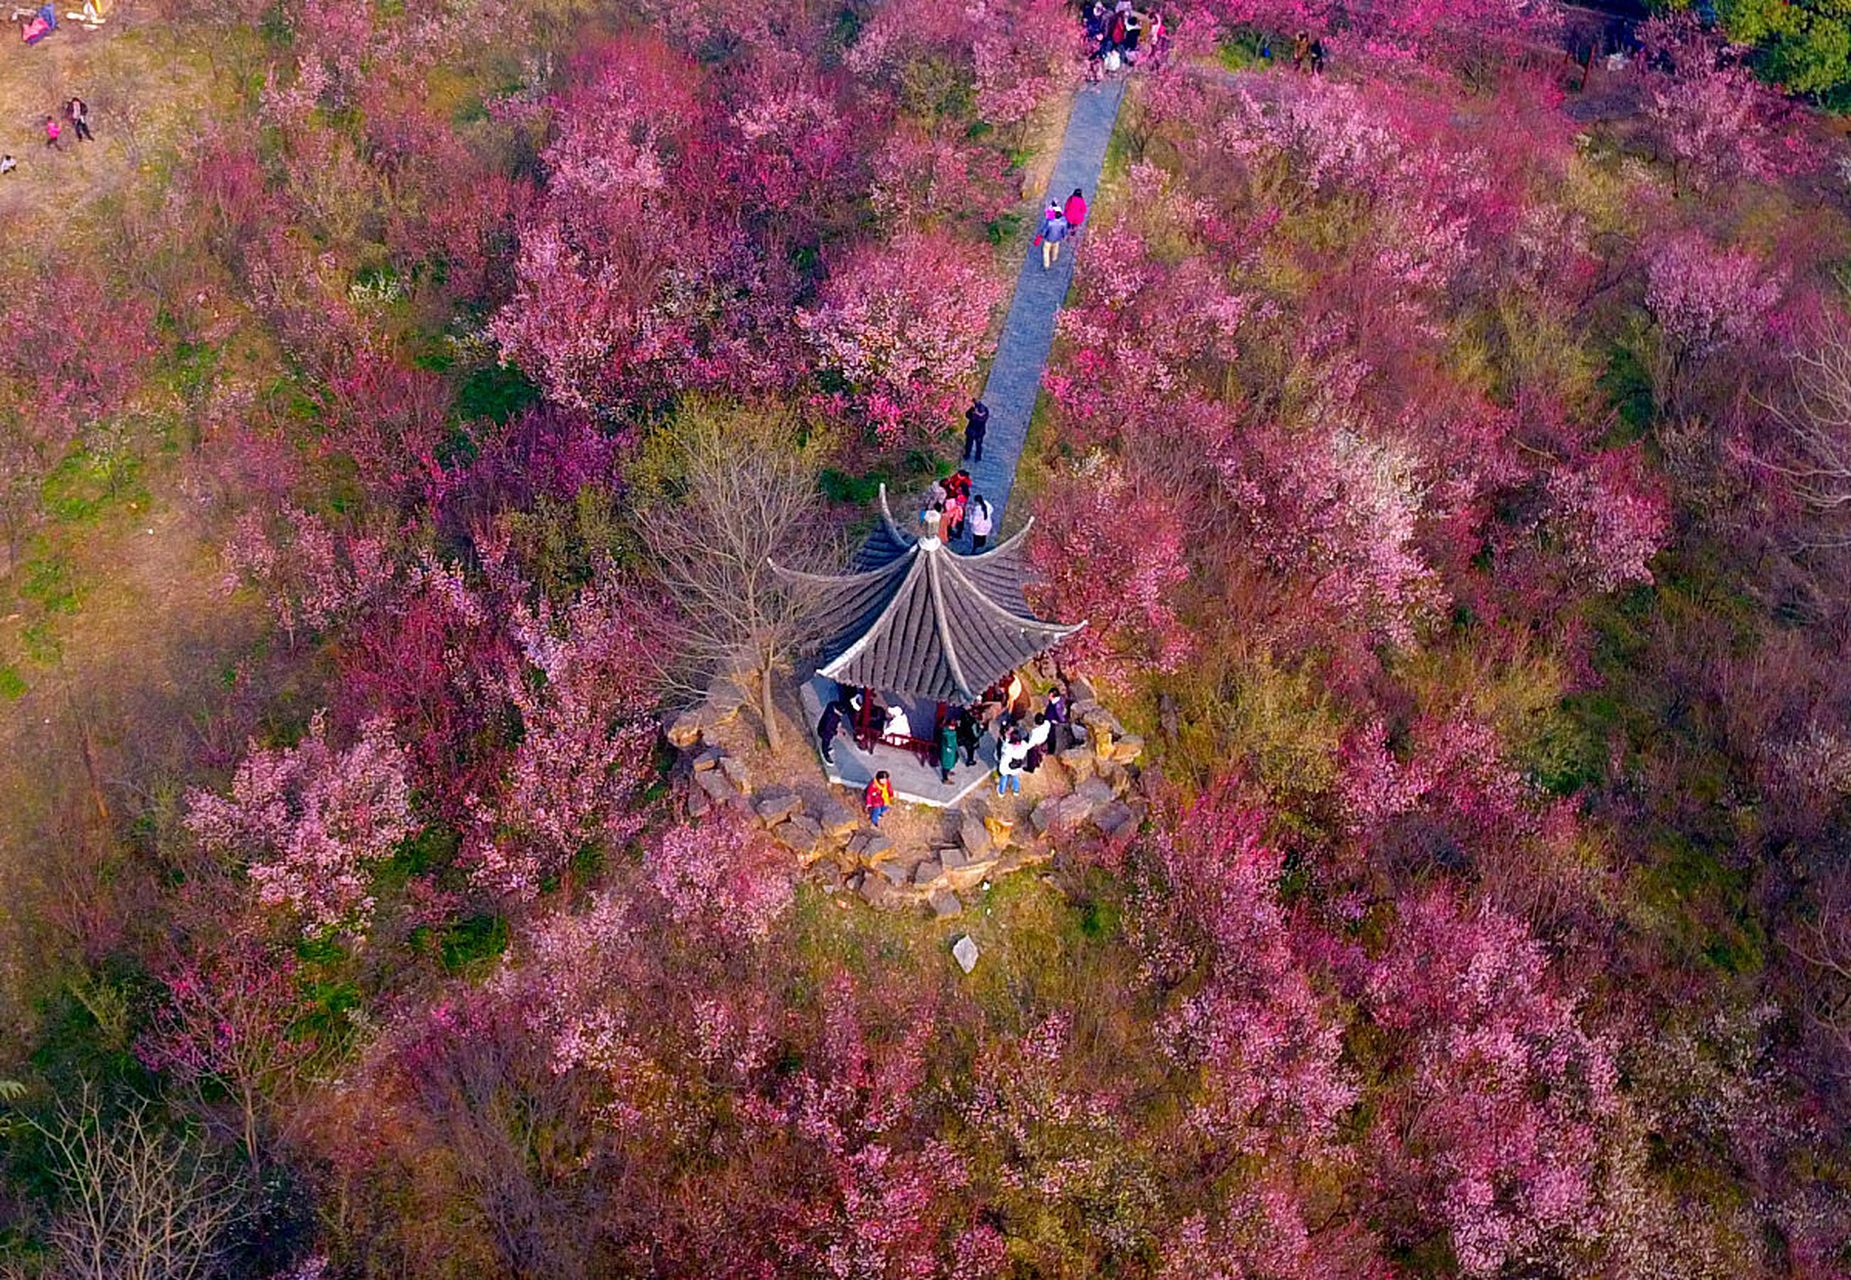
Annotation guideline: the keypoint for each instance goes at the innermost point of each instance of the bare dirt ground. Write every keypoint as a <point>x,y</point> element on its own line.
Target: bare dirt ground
<point>119,618</point>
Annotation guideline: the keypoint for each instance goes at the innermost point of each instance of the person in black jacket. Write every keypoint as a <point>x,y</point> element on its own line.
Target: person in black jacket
<point>976,422</point>
<point>828,727</point>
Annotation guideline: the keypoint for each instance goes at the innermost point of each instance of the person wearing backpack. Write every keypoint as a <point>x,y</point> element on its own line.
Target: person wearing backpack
<point>1053,231</point>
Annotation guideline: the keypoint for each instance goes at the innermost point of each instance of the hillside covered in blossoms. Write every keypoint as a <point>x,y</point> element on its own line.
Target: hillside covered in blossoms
<point>1350,610</point>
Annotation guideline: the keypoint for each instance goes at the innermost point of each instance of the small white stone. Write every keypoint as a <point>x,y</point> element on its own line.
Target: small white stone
<point>964,951</point>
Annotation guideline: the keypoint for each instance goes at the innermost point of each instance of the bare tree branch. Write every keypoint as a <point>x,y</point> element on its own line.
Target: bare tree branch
<point>727,490</point>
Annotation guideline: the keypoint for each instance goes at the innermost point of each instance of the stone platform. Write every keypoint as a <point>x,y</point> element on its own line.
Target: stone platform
<point>913,782</point>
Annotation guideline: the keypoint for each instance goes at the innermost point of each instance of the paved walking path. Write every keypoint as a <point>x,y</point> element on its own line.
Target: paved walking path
<point>1028,333</point>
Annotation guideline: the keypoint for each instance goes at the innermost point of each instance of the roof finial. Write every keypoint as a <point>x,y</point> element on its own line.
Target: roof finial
<point>929,540</point>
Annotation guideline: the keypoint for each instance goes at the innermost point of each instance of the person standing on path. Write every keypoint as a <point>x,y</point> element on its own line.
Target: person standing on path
<point>878,797</point>
<point>976,422</point>
<point>1301,50</point>
<point>51,133</point>
<point>947,751</point>
<point>1053,231</point>
<point>79,112</point>
<point>968,731</point>
<point>980,519</point>
<point>827,728</point>
<point>1075,212</point>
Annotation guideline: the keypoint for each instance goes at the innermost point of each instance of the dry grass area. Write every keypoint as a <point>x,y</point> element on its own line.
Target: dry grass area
<point>147,89</point>
<point>114,616</point>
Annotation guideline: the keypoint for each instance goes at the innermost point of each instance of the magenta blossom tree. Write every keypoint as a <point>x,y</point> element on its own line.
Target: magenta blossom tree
<point>311,821</point>
<point>901,326</point>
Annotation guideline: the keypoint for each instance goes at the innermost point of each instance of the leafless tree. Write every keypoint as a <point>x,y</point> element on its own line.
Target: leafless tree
<point>137,1203</point>
<point>723,492</point>
<point>1818,421</point>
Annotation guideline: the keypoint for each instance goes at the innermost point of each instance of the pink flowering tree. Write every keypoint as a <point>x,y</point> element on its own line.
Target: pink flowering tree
<point>1708,112</point>
<point>899,330</point>
<point>311,577</point>
<point>584,698</point>
<point>311,821</point>
<point>1241,1015</point>
<point>636,275</point>
<point>227,1031</point>
<point>1112,551</point>
<point>1498,1118</point>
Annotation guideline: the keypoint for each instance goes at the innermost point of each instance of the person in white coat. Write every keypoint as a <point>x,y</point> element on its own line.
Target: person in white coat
<point>1010,757</point>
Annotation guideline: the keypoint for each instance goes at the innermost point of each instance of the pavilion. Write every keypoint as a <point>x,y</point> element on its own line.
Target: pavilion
<point>928,628</point>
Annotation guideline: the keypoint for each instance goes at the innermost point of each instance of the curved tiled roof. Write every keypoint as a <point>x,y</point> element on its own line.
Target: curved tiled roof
<point>915,618</point>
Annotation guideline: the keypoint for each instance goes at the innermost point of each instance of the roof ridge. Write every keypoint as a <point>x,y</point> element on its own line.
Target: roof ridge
<point>941,619</point>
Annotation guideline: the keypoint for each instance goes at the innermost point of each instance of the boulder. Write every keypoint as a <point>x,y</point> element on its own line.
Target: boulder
<point>724,698</point>
<point>1116,820</point>
<point>964,951</point>
<point>685,729</point>
<point>952,857</point>
<point>717,785</point>
<point>775,804</point>
<point>894,872</point>
<point>945,904</point>
<point>801,836</point>
<point>708,758</point>
<point>837,820</point>
<point>735,769</point>
<point>974,836</point>
<point>1101,739</point>
<point>1096,792</point>
<point>928,871</point>
<point>876,892</point>
<point>1001,831</point>
<point>1127,749</point>
<point>875,847</point>
<point>700,804</point>
<point>1045,815</point>
<point>1080,689</point>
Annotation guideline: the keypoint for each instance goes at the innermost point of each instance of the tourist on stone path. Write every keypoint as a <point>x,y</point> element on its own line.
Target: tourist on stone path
<point>958,485</point>
<point>878,797</point>
<point>826,729</point>
<point>1301,50</point>
<point>947,750</point>
<point>976,422</point>
<point>1010,756</point>
<point>1075,212</point>
<point>1053,231</point>
<point>980,520</point>
<point>969,731</point>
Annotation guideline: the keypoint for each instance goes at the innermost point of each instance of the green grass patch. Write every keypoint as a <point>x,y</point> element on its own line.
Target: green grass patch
<point>87,483</point>
<point>496,392</point>
<point>473,943</point>
<point>12,685</point>
<point>50,584</point>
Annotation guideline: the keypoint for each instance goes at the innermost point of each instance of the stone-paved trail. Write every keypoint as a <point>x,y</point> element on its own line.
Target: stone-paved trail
<point>1028,333</point>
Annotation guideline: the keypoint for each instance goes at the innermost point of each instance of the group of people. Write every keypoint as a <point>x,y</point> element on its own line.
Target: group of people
<point>1118,35</point>
<point>957,509</point>
<point>1307,53</point>
<point>77,112</point>
<point>1025,735</point>
<point>1059,222</point>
